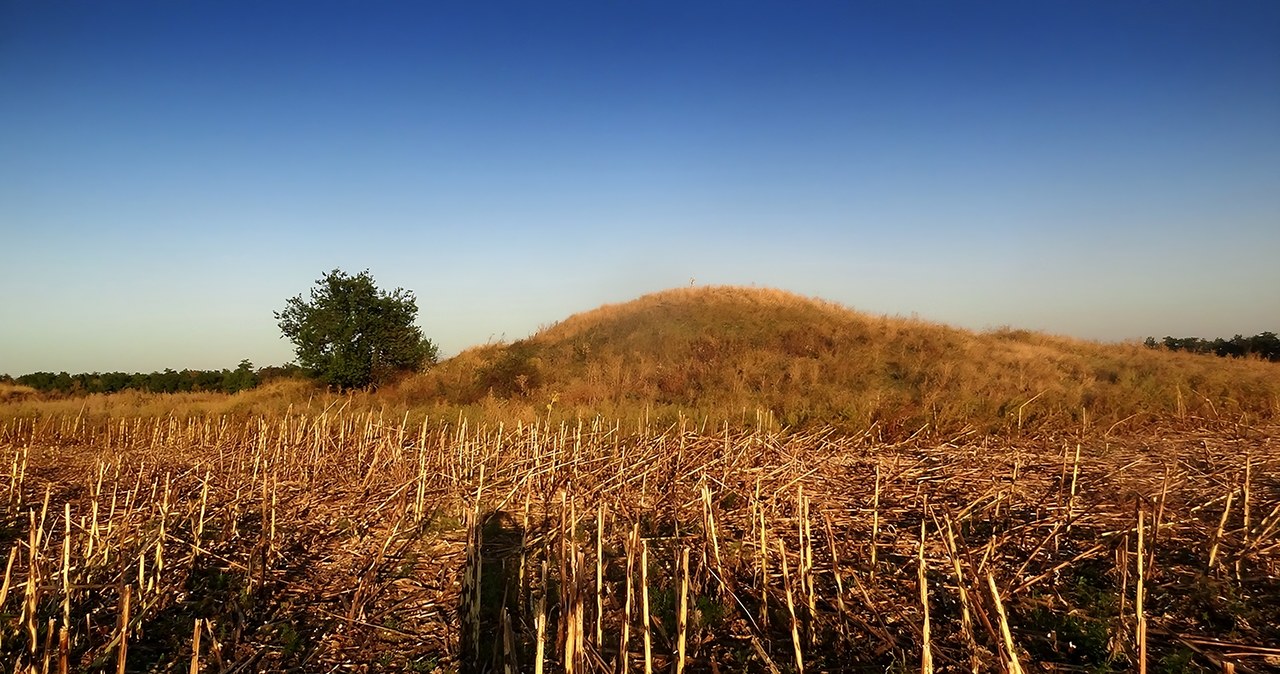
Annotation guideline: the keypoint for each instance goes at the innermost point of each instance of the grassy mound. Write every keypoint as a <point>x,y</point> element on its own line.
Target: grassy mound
<point>725,352</point>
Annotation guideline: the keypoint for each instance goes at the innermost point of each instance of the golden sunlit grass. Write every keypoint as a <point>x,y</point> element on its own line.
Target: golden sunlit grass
<point>274,397</point>
<point>323,539</point>
<point>722,353</point>
<point>703,480</point>
<point>718,355</point>
<point>10,393</point>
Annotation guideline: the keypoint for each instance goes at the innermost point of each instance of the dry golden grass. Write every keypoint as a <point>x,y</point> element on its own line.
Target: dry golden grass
<point>275,397</point>
<point>723,353</point>
<point>829,479</point>
<point>726,355</point>
<point>323,540</point>
<point>12,393</point>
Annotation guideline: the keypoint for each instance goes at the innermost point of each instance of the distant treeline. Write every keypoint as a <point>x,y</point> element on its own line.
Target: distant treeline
<point>1264,345</point>
<point>243,378</point>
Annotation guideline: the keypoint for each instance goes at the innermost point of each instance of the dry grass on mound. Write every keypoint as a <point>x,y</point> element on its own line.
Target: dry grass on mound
<point>767,358</point>
<point>721,352</point>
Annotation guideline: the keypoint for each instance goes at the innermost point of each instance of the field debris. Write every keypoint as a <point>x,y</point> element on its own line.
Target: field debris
<point>311,542</point>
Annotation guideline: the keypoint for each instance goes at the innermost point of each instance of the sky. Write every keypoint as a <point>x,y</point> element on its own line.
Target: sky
<point>172,172</point>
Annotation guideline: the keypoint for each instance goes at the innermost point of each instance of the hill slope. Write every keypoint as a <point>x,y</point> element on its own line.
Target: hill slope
<point>726,352</point>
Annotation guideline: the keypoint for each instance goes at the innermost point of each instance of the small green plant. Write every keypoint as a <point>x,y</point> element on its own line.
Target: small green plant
<point>709,613</point>
<point>1079,635</point>
<point>291,640</point>
<point>1178,661</point>
<point>407,565</point>
<point>424,665</point>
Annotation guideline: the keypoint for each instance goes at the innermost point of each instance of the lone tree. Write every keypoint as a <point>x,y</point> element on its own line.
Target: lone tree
<point>351,334</point>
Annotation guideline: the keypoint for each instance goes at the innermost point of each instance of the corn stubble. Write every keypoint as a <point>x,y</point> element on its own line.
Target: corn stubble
<point>307,542</point>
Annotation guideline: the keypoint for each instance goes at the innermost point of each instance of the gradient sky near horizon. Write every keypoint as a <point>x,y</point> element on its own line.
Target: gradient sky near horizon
<point>171,172</point>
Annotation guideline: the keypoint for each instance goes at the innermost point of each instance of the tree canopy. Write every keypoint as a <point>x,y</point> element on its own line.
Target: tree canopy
<point>350,334</point>
<point>243,378</point>
<point>1264,345</point>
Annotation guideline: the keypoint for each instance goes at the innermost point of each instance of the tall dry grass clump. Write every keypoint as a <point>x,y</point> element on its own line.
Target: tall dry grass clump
<point>13,393</point>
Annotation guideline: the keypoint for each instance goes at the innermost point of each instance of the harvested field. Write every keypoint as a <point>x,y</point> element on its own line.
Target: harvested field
<point>335,541</point>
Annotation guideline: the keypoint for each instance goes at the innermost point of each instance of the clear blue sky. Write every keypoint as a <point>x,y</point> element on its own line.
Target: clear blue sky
<point>171,172</point>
